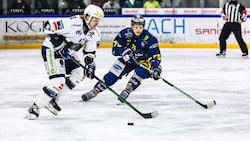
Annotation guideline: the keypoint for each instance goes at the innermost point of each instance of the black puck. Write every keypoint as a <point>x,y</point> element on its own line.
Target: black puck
<point>130,123</point>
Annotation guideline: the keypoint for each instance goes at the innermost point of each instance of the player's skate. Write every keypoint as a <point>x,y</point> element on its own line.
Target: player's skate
<point>221,54</point>
<point>124,94</point>
<point>244,55</point>
<point>53,107</point>
<point>89,95</point>
<point>33,112</point>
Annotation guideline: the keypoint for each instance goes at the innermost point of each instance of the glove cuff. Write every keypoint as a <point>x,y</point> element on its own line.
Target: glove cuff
<point>155,63</point>
<point>88,58</point>
<point>126,51</point>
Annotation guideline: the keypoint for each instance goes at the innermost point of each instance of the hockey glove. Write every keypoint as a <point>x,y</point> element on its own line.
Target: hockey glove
<point>90,67</point>
<point>156,73</point>
<point>156,68</point>
<point>66,53</point>
<point>89,70</point>
<point>127,55</point>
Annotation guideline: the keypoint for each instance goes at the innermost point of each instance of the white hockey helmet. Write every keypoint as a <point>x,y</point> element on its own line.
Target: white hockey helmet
<point>93,11</point>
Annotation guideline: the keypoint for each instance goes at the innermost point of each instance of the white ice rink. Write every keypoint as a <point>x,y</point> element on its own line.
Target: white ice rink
<point>195,71</point>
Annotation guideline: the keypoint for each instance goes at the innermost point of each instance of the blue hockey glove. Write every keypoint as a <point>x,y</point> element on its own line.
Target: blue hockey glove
<point>127,55</point>
<point>90,67</point>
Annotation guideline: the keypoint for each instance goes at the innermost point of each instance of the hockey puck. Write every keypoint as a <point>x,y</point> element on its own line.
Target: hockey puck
<point>130,123</point>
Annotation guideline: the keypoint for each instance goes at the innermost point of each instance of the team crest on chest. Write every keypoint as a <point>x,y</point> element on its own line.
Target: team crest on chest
<point>90,34</point>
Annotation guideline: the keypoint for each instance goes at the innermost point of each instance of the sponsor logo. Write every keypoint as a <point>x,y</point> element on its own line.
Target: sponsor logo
<point>78,32</point>
<point>117,67</point>
<point>58,25</point>
<point>52,71</point>
<point>24,26</point>
<point>76,25</point>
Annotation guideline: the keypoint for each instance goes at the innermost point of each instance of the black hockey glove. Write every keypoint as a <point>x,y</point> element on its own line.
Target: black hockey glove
<point>156,68</point>
<point>127,55</point>
<point>90,67</point>
<point>89,71</point>
<point>156,73</point>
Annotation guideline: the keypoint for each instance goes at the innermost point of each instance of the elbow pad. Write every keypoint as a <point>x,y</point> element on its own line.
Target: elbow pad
<point>56,40</point>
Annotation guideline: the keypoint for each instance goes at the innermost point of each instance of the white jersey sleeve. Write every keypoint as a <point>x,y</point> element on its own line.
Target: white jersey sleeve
<point>58,26</point>
<point>70,28</point>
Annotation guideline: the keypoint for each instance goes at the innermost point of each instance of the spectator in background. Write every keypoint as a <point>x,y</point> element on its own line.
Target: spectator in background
<point>211,4</point>
<point>111,7</point>
<point>62,6</point>
<point>176,3</point>
<point>76,6</point>
<point>133,4</point>
<point>166,3</point>
<point>98,2</point>
<point>191,4</point>
<point>87,2</point>
<point>18,7</point>
<point>46,7</point>
<point>170,3</point>
<point>1,10</point>
<point>151,4</point>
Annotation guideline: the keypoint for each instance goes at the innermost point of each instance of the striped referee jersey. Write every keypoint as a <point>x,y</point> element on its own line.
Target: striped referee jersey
<point>235,11</point>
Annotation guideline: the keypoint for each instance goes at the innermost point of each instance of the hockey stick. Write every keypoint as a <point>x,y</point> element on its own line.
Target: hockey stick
<point>144,115</point>
<point>206,106</point>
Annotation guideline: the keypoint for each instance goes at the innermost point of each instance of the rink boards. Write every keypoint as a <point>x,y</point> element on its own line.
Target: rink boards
<point>172,31</point>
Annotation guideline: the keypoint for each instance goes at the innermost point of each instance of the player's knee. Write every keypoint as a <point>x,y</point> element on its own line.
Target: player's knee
<point>55,86</point>
<point>110,79</point>
<point>70,84</point>
<point>50,92</point>
<point>118,68</point>
<point>142,73</point>
<point>75,78</point>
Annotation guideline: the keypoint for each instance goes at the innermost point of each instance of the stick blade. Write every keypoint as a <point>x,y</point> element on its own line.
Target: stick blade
<point>150,115</point>
<point>211,104</point>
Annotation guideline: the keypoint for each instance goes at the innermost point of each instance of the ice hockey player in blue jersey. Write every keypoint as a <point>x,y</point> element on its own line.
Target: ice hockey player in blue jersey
<point>64,38</point>
<point>133,43</point>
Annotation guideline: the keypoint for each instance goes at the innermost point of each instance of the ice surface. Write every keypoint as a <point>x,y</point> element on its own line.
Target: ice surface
<point>195,71</point>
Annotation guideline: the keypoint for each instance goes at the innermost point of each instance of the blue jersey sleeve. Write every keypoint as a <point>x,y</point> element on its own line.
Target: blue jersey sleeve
<point>153,49</point>
<point>120,41</point>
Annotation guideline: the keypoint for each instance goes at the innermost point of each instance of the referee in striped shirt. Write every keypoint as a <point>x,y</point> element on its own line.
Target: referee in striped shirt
<point>234,13</point>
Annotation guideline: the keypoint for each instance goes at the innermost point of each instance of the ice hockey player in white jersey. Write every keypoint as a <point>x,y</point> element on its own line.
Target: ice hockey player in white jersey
<point>64,37</point>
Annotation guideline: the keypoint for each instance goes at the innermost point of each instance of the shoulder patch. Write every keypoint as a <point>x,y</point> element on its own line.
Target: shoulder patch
<point>58,25</point>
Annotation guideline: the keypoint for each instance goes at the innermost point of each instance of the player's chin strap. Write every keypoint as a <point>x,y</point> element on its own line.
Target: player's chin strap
<point>209,105</point>
<point>144,115</point>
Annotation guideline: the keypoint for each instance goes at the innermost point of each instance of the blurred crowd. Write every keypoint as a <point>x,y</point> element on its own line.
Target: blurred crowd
<point>13,7</point>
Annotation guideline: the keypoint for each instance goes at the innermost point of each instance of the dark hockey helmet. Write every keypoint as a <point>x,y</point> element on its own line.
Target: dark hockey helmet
<point>138,20</point>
